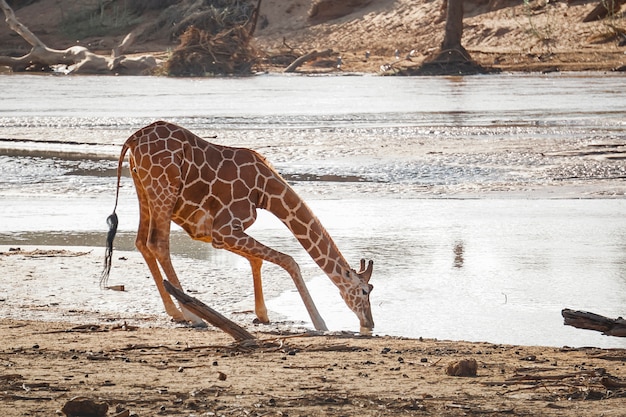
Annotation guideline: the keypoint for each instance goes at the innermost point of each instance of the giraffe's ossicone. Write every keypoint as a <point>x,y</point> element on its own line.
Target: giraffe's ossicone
<point>213,193</point>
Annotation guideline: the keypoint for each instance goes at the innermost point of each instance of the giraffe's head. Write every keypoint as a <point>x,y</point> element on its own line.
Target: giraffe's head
<point>357,295</point>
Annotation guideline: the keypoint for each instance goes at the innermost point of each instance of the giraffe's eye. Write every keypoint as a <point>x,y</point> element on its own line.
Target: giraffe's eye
<point>364,292</point>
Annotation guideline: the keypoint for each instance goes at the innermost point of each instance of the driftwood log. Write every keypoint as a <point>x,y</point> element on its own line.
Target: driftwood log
<point>592,321</point>
<point>307,57</point>
<point>205,312</point>
<point>76,59</point>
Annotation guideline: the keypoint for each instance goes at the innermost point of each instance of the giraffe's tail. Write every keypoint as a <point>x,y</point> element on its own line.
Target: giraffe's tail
<point>112,221</point>
<point>108,254</point>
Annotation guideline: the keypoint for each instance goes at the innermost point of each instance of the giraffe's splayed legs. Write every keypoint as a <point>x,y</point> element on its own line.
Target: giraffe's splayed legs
<point>237,241</point>
<point>213,193</point>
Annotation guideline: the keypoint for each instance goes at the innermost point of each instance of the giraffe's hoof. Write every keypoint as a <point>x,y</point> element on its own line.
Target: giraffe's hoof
<point>366,331</point>
<point>179,320</point>
<point>259,321</point>
<point>193,320</point>
<point>198,324</point>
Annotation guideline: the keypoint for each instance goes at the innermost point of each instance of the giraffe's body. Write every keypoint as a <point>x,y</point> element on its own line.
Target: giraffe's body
<point>213,193</point>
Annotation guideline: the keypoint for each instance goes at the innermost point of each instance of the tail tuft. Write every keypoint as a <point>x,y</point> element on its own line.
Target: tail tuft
<point>108,254</point>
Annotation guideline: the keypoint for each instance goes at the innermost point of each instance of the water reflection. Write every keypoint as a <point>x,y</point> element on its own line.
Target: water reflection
<point>458,94</point>
<point>459,249</point>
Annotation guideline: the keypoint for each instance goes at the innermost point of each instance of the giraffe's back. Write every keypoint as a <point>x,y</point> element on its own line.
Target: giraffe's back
<point>201,181</point>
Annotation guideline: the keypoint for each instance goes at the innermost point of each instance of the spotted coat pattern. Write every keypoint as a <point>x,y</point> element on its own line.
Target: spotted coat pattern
<point>213,192</point>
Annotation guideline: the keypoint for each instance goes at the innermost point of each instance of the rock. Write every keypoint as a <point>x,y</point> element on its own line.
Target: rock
<point>464,367</point>
<point>85,407</point>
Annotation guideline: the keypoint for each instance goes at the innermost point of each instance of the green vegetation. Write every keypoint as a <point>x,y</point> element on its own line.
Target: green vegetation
<point>543,29</point>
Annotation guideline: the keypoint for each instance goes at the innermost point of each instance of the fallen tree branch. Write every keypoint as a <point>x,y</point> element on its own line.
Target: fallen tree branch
<point>77,59</point>
<point>307,57</point>
<point>553,379</point>
<point>24,397</point>
<point>611,382</point>
<point>591,321</point>
<point>40,253</point>
<point>205,312</point>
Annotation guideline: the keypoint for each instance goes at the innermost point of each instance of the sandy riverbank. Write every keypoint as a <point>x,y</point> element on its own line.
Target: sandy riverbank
<point>181,371</point>
<point>508,35</point>
<point>54,349</point>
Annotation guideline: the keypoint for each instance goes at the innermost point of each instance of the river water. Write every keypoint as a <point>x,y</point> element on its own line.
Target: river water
<point>488,203</point>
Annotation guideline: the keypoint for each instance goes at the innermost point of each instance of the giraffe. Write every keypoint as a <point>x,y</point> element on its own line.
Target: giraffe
<point>213,192</point>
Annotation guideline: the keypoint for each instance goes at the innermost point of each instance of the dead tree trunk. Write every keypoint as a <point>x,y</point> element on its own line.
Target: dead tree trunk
<point>592,321</point>
<point>76,59</point>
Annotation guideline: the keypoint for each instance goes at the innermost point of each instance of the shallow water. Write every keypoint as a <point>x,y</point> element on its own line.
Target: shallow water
<point>474,232</point>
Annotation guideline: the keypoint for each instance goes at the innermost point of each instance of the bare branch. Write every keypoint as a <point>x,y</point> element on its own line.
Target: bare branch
<point>78,59</point>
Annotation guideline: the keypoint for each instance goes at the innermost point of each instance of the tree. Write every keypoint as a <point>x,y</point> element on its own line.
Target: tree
<point>452,58</point>
<point>451,48</point>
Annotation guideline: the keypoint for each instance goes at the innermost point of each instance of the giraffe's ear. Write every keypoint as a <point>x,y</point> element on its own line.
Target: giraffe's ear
<point>366,273</point>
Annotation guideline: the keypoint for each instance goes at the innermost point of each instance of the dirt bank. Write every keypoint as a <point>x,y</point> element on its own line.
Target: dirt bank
<point>503,34</point>
<point>507,35</point>
<point>188,372</point>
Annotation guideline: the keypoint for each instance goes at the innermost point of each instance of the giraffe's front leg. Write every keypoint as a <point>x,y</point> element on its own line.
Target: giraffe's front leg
<point>236,241</point>
<point>259,302</point>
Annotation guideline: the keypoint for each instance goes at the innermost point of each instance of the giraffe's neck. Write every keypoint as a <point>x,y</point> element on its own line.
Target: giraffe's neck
<point>313,237</point>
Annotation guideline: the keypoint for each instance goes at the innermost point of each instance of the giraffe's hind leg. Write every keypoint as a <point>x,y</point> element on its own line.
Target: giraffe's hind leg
<point>160,250</point>
<point>170,307</point>
<point>153,243</point>
<point>235,240</point>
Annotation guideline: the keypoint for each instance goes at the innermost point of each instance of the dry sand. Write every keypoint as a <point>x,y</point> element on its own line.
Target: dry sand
<point>503,34</point>
<point>188,372</point>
